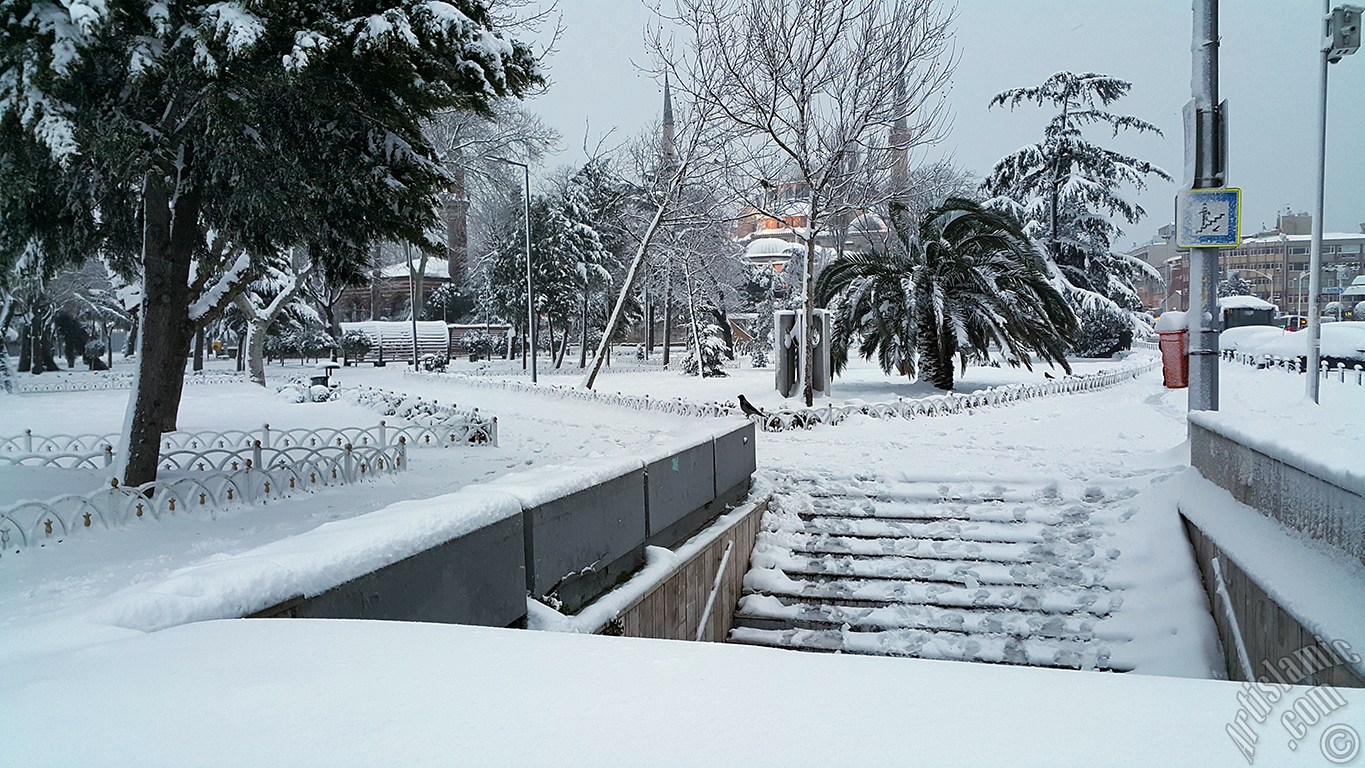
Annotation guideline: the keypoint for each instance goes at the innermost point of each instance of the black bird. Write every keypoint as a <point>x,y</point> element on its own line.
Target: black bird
<point>749,409</point>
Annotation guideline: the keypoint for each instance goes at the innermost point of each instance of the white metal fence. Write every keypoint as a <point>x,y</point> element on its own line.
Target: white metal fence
<point>257,480</point>
<point>1342,372</point>
<point>107,380</point>
<point>206,472</point>
<point>805,418</point>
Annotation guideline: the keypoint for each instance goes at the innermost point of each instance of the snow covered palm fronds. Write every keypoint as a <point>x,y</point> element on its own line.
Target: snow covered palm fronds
<point>969,283</point>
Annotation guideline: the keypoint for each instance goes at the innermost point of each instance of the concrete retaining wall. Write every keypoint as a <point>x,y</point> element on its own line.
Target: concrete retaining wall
<point>1295,497</point>
<point>1275,641</point>
<point>674,608</point>
<point>581,530</point>
<point>1272,633</point>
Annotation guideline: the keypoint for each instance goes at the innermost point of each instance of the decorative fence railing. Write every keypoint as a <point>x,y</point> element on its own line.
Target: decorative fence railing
<point>91,382</point>
<point>1341,371</point>
<point>513,368</point>
<point>258,480</point>
<point>92,451</point>
<point>805,418</point>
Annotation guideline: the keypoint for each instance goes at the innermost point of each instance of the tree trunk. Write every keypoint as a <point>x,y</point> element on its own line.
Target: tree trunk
<point>627,285</point>
<point>255,351</point>
<point>668,314</point>
<point>130,346</point>
<point>692,318</point>
<point>935,365</point>
<point>808,315</point>
<point>25,348</point>
<point>199,351</point>
<point>168,241</point>
<point>563,345</point>
<point>583,348</point>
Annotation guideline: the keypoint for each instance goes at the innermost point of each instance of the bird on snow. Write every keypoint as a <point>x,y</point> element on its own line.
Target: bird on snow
<point>749,409</point>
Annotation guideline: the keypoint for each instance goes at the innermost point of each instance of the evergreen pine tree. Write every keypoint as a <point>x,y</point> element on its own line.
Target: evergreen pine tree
<point>1234,286</point>
<point>1067,190</point>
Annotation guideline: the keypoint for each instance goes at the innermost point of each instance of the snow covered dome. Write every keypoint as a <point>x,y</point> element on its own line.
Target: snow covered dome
<point>768,247</point>
<point>867,222</point>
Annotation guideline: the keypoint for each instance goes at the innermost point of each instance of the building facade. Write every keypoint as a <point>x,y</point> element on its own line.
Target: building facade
<point>1274,263</point>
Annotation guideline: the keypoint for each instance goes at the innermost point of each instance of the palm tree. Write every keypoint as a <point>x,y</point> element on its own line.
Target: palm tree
<point>968,282</point>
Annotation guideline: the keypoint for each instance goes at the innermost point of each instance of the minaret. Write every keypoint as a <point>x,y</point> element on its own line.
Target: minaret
<point>670,147</point>
<point>899,225</point>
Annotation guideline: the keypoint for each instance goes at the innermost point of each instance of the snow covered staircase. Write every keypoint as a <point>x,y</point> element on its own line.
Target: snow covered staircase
<point>931,570</point>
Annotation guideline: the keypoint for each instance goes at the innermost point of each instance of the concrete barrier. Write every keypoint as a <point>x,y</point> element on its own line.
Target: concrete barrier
<point>1288,490</point>
<point>474,579</point>
<point>1280,599</point>
<point>581,530</point>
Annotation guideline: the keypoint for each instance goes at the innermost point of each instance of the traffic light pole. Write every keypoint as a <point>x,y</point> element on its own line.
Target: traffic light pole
<point>1341,37</point>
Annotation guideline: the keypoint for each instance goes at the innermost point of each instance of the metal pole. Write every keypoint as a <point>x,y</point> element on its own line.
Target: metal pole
<point>412,297</point>
<point>1315,253</point>
<point>530,285</point>
<point>1208,174</point>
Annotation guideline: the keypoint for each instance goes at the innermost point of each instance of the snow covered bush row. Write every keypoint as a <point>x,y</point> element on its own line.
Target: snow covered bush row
<point>440,424</point>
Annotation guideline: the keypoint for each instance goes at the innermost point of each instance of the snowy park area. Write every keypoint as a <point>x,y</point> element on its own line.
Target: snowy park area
<point>793,383</point>
<point>91,613</point>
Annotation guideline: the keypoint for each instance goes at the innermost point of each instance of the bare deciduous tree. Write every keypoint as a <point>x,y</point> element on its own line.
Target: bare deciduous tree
<point>814,89</point>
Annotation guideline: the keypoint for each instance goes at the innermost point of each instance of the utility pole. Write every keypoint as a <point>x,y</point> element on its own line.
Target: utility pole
<point>1209,172</point>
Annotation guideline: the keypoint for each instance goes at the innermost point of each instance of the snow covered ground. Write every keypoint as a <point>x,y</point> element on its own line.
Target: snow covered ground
<point>317,693</point>
<point>261,692</point>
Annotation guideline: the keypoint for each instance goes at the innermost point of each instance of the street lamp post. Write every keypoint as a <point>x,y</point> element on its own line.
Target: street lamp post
<point>530,284</point>
<point>1298,290</point>
<point>412,299</point>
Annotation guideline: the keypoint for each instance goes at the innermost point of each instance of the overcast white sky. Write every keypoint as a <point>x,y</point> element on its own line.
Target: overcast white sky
<point>1269,64</point>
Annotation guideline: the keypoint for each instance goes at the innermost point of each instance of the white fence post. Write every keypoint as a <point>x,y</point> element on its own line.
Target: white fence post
<point>265,435</point>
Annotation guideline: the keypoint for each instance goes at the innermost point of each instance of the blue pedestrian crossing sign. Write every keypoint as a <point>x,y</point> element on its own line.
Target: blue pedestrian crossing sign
<point>1208,218</point>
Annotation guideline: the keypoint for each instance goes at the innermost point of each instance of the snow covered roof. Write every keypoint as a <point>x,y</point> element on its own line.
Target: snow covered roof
<point>435,268</point>
<point>1276,237</point>
<point>1243,302</point>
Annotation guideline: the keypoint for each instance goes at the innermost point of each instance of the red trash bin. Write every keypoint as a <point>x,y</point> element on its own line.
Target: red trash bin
<point>1175,361</point>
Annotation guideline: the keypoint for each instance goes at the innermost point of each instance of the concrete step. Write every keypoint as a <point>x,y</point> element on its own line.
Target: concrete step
<point>774,612</point>
<point>939,645</point>
<point>1061,599</point>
